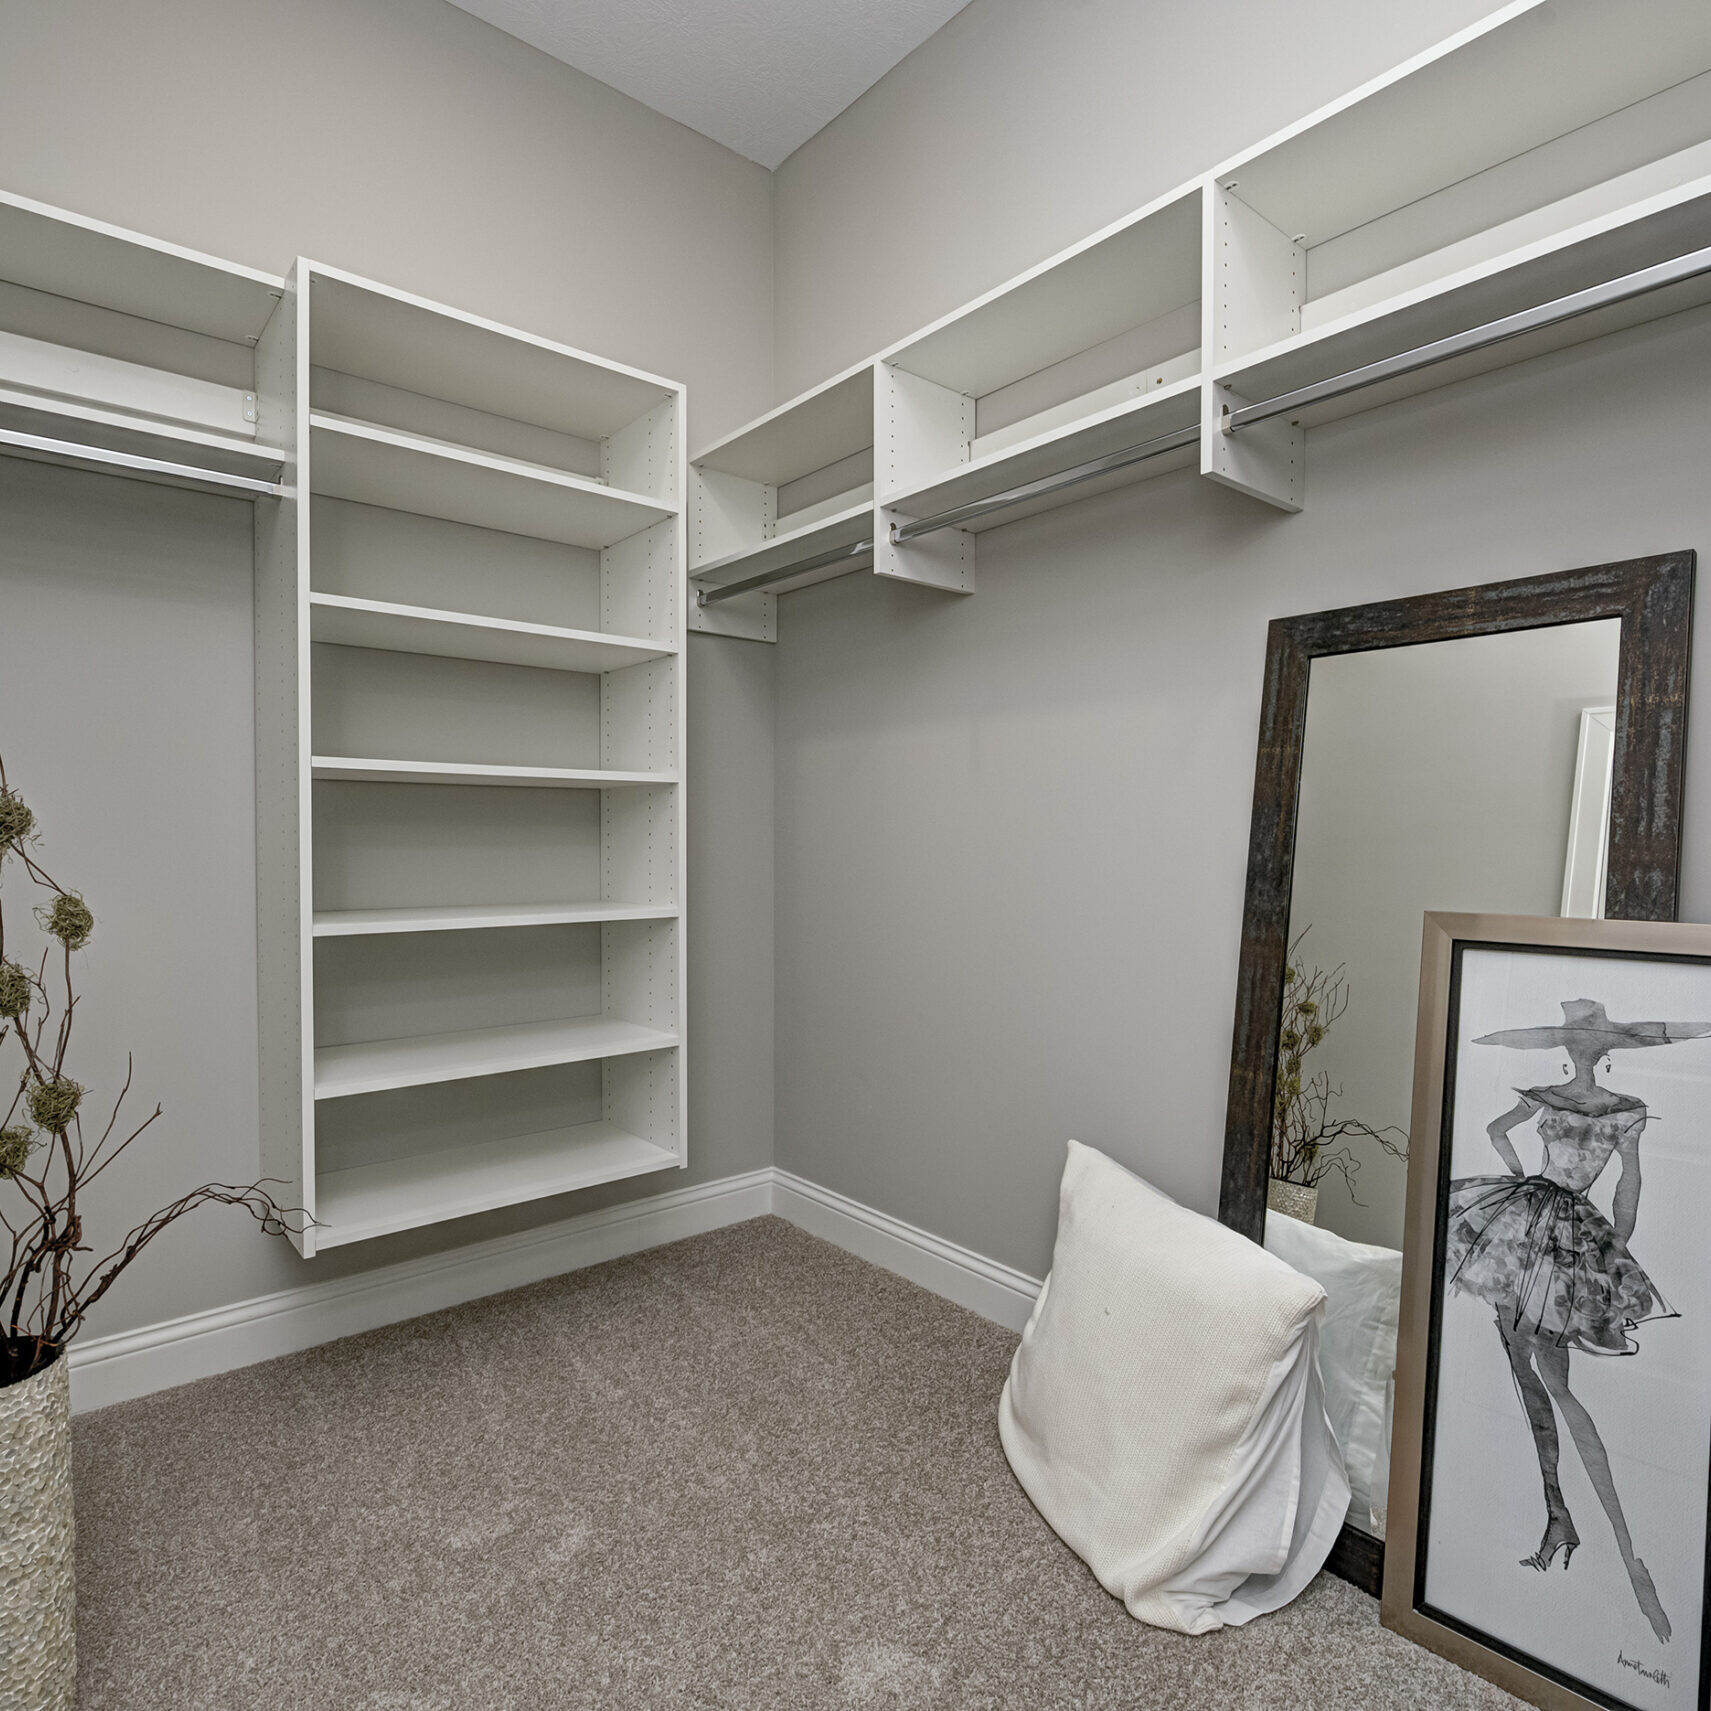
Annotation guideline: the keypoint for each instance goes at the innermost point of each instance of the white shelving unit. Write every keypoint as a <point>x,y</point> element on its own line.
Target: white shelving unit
<point>132,356</point>
<point>1556,146</point>
<point>470,738</point>
<point>792,486</point>
<point>1096,350</point>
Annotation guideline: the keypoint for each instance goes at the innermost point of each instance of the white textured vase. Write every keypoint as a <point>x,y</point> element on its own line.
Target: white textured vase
<point>1292,1199</point>
<point>38,1600</point>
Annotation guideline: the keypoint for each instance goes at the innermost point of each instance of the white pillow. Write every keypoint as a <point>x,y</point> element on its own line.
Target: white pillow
<point>1357,1350</point>
<point>1164,1411</point>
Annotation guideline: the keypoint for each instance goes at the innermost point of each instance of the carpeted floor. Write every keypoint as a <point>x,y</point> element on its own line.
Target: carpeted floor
<point>743,1471</point>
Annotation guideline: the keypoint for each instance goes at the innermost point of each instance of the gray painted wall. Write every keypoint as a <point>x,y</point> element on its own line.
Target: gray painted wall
<point>406,140</point>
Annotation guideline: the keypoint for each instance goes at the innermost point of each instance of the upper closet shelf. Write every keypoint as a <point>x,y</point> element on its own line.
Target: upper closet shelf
<point>1438,305</point>
<point>68,255</point>
<point>376,465</point>
<point>1556,146</point>
<point>90,425</point>
<point>794,546</point>
<point>1160,414</point>
<point>1128,277</point>
<point>345,769</point>
<point>399,340</point>
<point>349,622</point>
<point>825,426</point>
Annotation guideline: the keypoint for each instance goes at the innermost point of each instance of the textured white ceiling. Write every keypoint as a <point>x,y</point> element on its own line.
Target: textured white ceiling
<point>760,76</point>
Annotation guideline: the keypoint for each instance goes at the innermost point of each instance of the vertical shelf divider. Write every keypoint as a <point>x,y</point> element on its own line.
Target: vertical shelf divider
<point>919,428</point>
<point>1254,281</point>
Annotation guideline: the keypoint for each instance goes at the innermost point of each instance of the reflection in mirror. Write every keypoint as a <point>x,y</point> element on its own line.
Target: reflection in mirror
<point>1470,774</point>
<point>1442,776</point>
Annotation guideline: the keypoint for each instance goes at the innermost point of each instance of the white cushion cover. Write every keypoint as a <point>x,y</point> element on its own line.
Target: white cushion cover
<point>1357,1349</point>
<point>1164,1410</point>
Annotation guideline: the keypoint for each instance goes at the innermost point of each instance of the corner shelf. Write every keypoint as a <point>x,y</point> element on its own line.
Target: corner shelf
<point>347,621</point>
<point>364,1201</point>
<point>378,1066</point>
<point>796,482</point>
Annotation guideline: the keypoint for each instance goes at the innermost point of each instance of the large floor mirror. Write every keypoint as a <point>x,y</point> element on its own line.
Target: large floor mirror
<point>1512,748</point>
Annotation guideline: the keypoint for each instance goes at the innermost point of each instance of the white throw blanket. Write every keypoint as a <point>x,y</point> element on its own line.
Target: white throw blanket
<point>1165,1412</point>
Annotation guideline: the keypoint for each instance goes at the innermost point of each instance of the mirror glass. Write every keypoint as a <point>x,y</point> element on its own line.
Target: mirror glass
<point>1471,774</point>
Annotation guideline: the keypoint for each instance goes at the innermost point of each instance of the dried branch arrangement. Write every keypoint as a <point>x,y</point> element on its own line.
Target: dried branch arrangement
<point>1307,1142</point>
<point>46,1161</point>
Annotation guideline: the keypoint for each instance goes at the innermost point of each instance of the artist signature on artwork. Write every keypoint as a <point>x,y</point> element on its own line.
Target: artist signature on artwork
<point>1660,1676</point>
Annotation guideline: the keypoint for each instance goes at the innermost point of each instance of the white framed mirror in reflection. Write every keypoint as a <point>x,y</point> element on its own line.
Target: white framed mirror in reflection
<point>1514,748</point>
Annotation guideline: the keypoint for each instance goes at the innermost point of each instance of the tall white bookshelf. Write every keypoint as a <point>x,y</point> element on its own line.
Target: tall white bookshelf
<point>470,744</point>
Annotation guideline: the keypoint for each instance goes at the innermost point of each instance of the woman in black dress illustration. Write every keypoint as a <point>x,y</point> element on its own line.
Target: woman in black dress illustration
<point>1557,1271</point>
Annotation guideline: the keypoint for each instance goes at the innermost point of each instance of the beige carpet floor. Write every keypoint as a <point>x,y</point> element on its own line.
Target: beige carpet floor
<point>743,1471</point>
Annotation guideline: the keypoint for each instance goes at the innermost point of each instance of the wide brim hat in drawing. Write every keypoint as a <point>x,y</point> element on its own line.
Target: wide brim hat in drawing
<point>1585,1024</point>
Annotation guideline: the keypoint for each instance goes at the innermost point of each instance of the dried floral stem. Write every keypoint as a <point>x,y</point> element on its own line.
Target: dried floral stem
<point>1308,1144</point>
<point>45,1293</point>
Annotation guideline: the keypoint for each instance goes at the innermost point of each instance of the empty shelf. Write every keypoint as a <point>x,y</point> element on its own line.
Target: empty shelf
<point>370,1200</point>
<point>464,635</point>
<point>1666,226</point>
<point>1144,267</point>
<point>1143,417</point>
<point>468,917</point>
<point>375,465</point>
<point>376,1065</point>
<point>831,422</point>
<point>50,249</point>
<point>116,431</point>
<point>842,529</point>
<point>329,768</point>
<point>380,333</point>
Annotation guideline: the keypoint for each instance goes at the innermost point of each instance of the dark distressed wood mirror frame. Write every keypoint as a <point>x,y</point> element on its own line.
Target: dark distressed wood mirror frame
<point>1653,597</point>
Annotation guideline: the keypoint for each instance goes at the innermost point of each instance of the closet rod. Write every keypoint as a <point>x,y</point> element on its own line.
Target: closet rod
<point>712,596</point>
<point>1568,308</point>
<point>1072,477</point>
<point>73,452</point>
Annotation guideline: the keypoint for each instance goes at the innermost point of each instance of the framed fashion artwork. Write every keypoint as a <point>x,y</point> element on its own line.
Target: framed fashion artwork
<point>1551,1465</point>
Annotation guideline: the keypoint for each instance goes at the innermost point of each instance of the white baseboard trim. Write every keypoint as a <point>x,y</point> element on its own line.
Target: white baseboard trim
<point>136,1363</point>
<point>984,1286</point>
<point>155,1357</point>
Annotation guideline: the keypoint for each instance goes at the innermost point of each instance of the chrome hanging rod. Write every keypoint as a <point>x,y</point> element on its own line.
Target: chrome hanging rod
<point>712,596</point>
<point>73,452</point>
<point>1073,477</point>
<point>1568,308</point>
